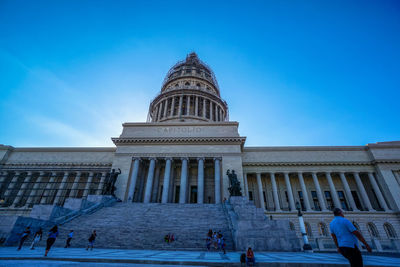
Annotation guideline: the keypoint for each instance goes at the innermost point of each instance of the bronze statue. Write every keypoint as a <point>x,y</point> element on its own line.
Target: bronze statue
<point>110,188</point>
<point>234,189</point>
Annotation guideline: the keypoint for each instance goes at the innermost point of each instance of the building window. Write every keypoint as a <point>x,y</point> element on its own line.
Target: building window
<point>250,195</point>
<point>390,232</point>
<point>356,200</point>
<point>372,230</point>
<point>329,200</point>
<point>342,200</point>
<point>315,200</point>
<point>308,229</point>
<point>188,71</point>
<point>322,229</point>
<point>301,200</point>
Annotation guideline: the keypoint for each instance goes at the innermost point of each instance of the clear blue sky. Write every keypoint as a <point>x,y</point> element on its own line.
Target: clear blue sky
<point>292,72</point>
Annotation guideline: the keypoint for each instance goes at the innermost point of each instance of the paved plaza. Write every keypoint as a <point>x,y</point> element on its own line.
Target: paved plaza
<point>9,256</point>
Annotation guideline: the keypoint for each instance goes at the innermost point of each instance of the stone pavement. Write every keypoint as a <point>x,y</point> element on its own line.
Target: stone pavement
<point>185,257</point>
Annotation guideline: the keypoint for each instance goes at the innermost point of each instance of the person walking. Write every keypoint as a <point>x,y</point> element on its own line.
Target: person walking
<point>24,236</point>
<point>51,239</point>
<point>345,235</point>
<point>91,240</point>
<point>37,237</point>
<point>70,235</point>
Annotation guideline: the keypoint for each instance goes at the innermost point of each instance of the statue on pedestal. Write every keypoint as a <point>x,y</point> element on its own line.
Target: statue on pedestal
<point>109,187</point>
<point>234,189</point>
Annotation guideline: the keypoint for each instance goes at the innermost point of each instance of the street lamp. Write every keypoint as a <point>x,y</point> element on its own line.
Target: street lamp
<point>306,247</point>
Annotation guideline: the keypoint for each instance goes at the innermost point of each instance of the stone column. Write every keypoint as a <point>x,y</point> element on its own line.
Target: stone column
<point>246,186</point>
<point>220,114</point>
<point>364,195</point>
<point>61,188</point>
<point>333,190</point>
<point>34,191</point>
<point>348,191</point>
<point>378,192</point>
<point>304,190</point>
<point>149,181</point>
<point>12,184</point>
<point>180,106</point>
<point>217,175</point>
<point>320,196</point>
<point>87,187</point>
<point>22,190</point>
<point>156,184</point>
<point>196,107</point>
<point>260,191</point>
<point>172,107</point>
<point>160,110</point>
<point>289,191</point>
<point>99,190</point>
<point>204,108</point>
<point>75,185</point>
<point>167,176</point>
<point>200,180</point>
<point>134,176</point>
<point>165,108</point>
<point>49,185</point>
<point>182,193</point>
<point>156,113</point>
<point>216,112</point>
<point>211,110</point>
<point>188,105</point>
<point>275,192</point>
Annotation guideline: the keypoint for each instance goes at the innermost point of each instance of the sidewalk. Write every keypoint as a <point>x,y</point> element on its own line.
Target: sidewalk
<point>185,257</point>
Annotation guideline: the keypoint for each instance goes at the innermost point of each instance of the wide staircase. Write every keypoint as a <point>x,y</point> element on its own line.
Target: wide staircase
<point>143,226</point>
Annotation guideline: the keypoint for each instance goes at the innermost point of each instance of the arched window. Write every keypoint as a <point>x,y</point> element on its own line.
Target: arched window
<point>198,84</point>
<point>372,230</point>
<point>176,85</point>
<point>187,83</point>
<point>308,229</point>
<point>322,229</point>
<point>291,226</point>
<point>390,232</point>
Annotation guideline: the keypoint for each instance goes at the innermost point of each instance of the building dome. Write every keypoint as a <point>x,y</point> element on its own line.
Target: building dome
<point>189,92</point>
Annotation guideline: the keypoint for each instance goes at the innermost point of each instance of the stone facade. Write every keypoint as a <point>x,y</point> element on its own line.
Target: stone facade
<point>183,151</point>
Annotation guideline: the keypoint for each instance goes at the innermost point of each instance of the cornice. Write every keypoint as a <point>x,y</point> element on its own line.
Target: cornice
<point>176,155</point>
<point>305,148</point>
<point>56,164</point>
<point>64,149</point>
<point>180,124</point>
<point>179,140</point>
<point>257,164</point>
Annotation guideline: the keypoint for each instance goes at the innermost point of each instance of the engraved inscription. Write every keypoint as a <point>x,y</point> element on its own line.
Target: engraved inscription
<point>168,130</point>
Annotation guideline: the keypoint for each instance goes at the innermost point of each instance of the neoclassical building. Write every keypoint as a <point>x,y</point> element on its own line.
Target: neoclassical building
<point>182,153</point>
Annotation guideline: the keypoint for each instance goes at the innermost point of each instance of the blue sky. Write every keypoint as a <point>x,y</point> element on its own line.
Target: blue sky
<point>292,72</point>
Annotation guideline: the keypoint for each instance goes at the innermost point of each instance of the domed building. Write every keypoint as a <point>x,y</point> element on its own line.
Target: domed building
<point>183,162</point>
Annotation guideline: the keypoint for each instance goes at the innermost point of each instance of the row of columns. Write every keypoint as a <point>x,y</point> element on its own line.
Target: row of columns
<point>167,178</point>
<point>216,111</point>
<point>320,196</point>
<point>29,178</point>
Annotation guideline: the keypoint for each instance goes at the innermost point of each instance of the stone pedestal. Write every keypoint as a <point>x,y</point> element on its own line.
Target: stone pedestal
<point>251,228</point>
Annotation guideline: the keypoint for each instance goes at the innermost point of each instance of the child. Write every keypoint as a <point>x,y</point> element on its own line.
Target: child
<point>91,240</point>
<point>36,238</point>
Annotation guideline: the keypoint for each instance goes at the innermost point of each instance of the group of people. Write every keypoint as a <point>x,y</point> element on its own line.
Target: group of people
<point>215,240</point>
<point>169,238</point>
<point>53,234</point>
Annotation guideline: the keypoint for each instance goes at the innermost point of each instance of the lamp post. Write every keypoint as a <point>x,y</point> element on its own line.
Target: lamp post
<point>306,247</point>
